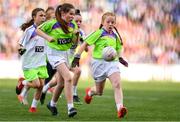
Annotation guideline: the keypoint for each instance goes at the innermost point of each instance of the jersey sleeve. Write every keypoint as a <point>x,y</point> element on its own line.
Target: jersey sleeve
<point>93,37</point>
<point>26,36</point>
<point>46,26</point>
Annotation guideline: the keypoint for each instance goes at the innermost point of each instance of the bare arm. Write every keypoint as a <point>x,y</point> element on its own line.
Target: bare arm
<point>77,56</point>
<point>76,36</point>
<point>44,35</point>
<point>82,48</point>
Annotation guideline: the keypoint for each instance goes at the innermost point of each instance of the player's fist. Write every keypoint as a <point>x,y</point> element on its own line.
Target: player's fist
<point>122,61</point>
<point>21,51</point>
<point>75,62</point>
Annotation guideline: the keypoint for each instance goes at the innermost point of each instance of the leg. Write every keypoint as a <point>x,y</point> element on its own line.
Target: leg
<point>51,84</point>
<point>96,90</point>
<point>34,84</point>
<point>58,90</point>
<point>21,83</point>
<point>77,72</point>
<point>51,73</point>
<point>65,73</point>
<point>39,82</point>
<point>118,94</point>
<point>25,100</point>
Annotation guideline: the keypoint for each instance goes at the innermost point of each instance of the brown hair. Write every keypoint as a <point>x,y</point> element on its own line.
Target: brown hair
<point>104,17</point>
<point>31,22</point>
<point>66,7</point>
<point>77,12</point>
<point>47,15</point>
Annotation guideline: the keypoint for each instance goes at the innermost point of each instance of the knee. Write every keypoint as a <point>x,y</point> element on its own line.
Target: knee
<point>69,79</point>
<point>77,71</point>
<point>116,84</point>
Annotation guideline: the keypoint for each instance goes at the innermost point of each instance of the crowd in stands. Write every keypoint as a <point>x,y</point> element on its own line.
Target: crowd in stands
<point>150,29</point>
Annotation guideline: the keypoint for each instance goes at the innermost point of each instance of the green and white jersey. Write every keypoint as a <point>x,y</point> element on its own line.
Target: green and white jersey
<point>62,41</point>
<point>101,39</point>
<point>35,46</point>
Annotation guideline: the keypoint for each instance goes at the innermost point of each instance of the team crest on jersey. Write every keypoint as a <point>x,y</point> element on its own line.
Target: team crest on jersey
<point>39,49</point>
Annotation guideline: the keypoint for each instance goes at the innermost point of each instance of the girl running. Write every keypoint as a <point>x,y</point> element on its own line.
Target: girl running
<point>33,51</point>
<point>61,33</point>
<point>101,69</point>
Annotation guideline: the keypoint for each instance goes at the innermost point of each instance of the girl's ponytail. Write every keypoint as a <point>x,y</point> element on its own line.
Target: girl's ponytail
<point>119,35</point>
<point>26,25</point>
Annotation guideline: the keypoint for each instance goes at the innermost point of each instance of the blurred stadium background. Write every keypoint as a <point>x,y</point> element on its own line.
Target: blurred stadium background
<point>150,30</point>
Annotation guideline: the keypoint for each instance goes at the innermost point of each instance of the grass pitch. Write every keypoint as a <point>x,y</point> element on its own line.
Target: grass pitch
<point>150,101</point>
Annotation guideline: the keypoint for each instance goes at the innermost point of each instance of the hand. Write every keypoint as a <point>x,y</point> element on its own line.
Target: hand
<point>76,31</point>
<point>21,51</point>
<point>50,39</point>
<point>75,62</point>
<point>122,61</point>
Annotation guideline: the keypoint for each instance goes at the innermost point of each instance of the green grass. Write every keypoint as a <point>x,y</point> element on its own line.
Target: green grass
<point>151,101</point>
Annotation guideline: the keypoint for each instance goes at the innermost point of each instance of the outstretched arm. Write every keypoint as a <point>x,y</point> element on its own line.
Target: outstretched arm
<point>44,35</point>
<point>82,48</point>
<point>77,56</point>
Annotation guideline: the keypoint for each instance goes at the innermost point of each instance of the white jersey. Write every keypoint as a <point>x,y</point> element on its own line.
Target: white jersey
<point>35,46</point>
<point>82,33</point>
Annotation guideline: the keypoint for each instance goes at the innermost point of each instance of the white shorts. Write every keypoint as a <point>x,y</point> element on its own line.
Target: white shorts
<point>56,57</point>
<point>71,53</point>
<point>102,69</point>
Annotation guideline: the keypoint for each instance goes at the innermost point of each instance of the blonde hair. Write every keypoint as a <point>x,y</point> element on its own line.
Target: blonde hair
<point>107,14</point>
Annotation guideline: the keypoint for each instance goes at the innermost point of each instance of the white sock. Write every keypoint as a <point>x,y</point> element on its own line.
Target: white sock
<point>24,82</point>
<point>24,91</point>
<point>89,93</point>
<point>25,96</point>
<point>45,88</point>
<point>53,104</point>
<point>74,90</point>
<point>70,105</point>
<point>119,105</point>
<point>34,103</point>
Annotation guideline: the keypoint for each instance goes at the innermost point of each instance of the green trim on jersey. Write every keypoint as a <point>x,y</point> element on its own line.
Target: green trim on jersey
<point>101,39</point>
<point>62,41</point>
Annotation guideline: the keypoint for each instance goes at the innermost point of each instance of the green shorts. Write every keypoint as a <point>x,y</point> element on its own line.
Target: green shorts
<point>32,74</point>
